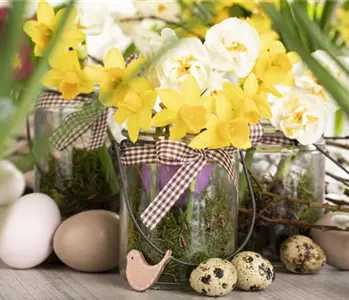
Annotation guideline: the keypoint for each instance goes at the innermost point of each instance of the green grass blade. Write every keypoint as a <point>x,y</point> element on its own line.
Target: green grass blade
<point>318,37</point>
<point>333,86</point>
<point>10,45</point>
<point>33,86</point>
<point>327,15</point>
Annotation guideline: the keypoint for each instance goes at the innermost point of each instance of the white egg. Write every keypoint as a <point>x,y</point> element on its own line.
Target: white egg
<point>213,277</point>
<point>255,272</point>
<point>27,231</point>
<point>12,182</point>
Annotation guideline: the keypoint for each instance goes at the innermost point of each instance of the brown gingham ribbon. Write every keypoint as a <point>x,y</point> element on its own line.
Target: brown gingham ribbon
<point>89,115</point>
<point>192,162</point>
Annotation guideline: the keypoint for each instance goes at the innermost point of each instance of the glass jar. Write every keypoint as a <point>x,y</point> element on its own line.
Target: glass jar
<point>201,225</point>
<point>76,178</point>
<point>281,176</point>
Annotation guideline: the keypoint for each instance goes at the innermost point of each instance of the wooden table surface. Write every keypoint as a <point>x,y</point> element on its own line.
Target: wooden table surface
<point>59,283</point>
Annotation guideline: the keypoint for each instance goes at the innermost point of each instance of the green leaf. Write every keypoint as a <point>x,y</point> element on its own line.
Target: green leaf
<point>331,84</point>
<point>339,120</point>
<point>33,86</point>
<point>327,15</point>
<point>10,45</point>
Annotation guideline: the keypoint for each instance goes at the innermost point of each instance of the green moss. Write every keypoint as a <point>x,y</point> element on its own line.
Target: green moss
<point>267,238</point>
<point>81,181</point>
<point>212,236</point>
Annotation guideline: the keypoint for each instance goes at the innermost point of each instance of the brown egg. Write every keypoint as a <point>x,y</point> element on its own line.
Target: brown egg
<point>88,241</point>
<point>334,243</point>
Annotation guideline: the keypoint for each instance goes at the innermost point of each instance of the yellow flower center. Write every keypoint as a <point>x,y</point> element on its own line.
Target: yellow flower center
<point>132,102</point>
<point>111,78</point>
<point>281,63</point>
<point>184,65</point>
<point>194,117</point>
<point>225,130</point>
<point>70,85</point>
<point>161,8</point>
<point>43,35</point>
<point>236,47</point>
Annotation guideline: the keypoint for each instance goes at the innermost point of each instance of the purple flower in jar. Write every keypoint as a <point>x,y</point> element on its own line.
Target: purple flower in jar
<point>164,173</point>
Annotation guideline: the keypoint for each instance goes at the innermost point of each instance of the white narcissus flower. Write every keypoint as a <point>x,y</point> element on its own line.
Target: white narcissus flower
<point>300,115</point>
<point>216,83</point>
<point>92,16</point>
<point>169,10</point>
<point>305,79</point>
<point>158,42</point>
<point>187,57</point>
<point>233,46</point>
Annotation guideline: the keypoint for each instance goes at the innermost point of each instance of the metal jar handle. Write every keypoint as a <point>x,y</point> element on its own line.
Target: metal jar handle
<point>123,185</point>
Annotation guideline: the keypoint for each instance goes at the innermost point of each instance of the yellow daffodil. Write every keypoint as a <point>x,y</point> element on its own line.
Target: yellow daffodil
<point>343,23</point>
<point>67,76</point>
<point>262,23</point>
<point>274,66</point>
<point>252,106</point>
<point>136,107</point>
<point>114,77</point>
<point>187,112</point>
<point>42,30</point>
<point>222,132</point>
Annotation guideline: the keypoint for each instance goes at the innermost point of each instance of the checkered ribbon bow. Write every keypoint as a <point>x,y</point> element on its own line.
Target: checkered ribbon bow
<point>89,115</point>
<point>192,162</point>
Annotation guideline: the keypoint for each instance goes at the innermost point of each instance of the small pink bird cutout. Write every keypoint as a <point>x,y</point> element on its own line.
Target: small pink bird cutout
<point>140,275</point>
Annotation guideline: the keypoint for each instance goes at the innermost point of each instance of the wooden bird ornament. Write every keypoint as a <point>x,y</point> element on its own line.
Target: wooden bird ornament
<point>140,275</point>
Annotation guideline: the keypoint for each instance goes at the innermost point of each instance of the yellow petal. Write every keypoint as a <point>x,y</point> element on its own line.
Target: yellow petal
<point>46,14</point>
<point>163,118</point>
<point>224,107</point>
<point>133,68</point>
<point>208,139</point>
<point>140,85</point>
<point>118,95</point>
<point>144,118</point>
<point>233,90</point>
<point>190,91</point>
<point>171,99</point>
<point>72,37</point>
<point>133,128</point>
<point>208,103</point>
<point>114,59</point>
<point>68,61</point>
<point>178,130</point>
<point>94,72</point>
<point>86,84</point>
<point>30,27</point>
<point>38,51</point>
<point>251,85</point>
<point>53,78</point>
<point>121,115</point>
<point>241,137</point>
<point>60,14</point>
<point>149,98</point>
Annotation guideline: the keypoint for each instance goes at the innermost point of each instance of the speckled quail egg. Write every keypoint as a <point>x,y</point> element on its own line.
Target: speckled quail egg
<point>301,255</point>
<point>214,277</point>
<point>255,272</point>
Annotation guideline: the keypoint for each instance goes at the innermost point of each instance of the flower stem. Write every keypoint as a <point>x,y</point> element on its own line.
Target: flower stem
<point>191,195</point>
<point>243,182</point>
<point>109,169</point>
<point>284,166</point>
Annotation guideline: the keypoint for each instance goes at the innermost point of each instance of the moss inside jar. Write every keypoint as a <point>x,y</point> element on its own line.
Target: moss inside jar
<point>201,225</point>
